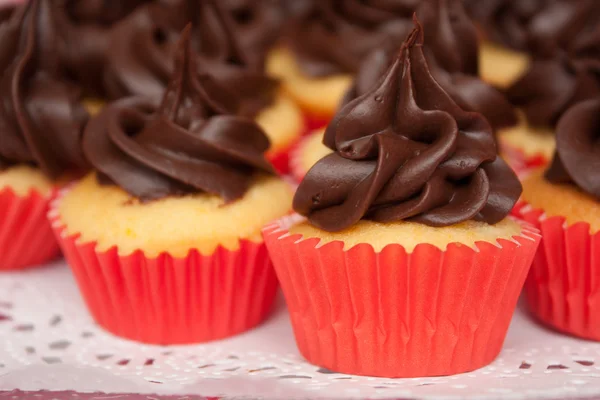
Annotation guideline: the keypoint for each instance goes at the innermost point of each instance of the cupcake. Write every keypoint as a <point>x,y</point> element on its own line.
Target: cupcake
<point>325,45</point>
<point>521,30</point>
<point>41,120</point>
<point>258,24</point>
<point>164,237</point>
<point>548,88</point>
<point>406,263</point>
<point>87,24</point>
<point>563,202</point>
<point>140,63</point>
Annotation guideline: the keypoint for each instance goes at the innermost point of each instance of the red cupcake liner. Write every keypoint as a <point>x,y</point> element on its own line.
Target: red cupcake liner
<point>521,162</point>
<point>26,238</point>
<point>171,300</point>
<point>399,314</point>
<point>563,287</point>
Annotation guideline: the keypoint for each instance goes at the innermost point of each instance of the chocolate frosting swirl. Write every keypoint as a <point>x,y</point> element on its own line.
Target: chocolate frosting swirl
<point>334,36</point>
<point>41,117</point>
<point>406,151</point>
<point>258,24</point>
<point>551,86</point>
<point>142,48</point>
<point>450,35</point>
<point>452,53</point>
<point>89,23</point>
<point>541,27</point>
<point>577,157</point>
<point>192,142</point>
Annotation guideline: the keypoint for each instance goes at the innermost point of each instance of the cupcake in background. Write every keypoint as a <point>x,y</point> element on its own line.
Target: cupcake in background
<point>548,88</point>
<point>324,46</point>
<point>88,23</point>
<point>41,121</point>
<point>307,152</point>
<point>563,202</point>
<point>141,61</point>
<point>451,47</point>
<point>258,24</point>
<point>406,231</point>
<point>164,237</point>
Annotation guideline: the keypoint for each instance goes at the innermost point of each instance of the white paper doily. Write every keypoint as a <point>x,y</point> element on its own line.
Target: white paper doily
<point>50,342</point>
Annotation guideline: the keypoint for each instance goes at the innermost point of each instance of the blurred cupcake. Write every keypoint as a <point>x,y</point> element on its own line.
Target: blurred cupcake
<point>88,23</point>
<point>521,30</point>
<point>563,203</point>
<point>41,120</point>
<point>141,61</point>
<point>406,233</point>
<point>325,45</point>
<point>258,24</point>
<point>164,238</point>
<point>548,88</point>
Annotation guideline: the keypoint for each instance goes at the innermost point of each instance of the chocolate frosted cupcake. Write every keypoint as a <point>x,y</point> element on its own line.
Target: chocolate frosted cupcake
<point>406,232</point>
<point>564,204</point>
<point>548,88</point>
<point>164,237</point>
<point>258,24</point>
<point>88,23</point>
<point>539,28</point>
<point>41,121</point>
<point>141,61</point>
<point>327,43</point>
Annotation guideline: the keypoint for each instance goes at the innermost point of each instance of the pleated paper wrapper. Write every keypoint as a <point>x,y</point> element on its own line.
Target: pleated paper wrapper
<point>26,238</point>
<point>563,287</point>
<point>399,314</point>
<point>167,299</point>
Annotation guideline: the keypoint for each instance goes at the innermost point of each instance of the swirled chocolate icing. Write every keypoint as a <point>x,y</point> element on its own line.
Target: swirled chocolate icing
<point>5,12</point>
<point>89,23</point>
<point>142,47</point>
<point>334,36</point>
<point>192,142</point>
<point>452,51</point>
<point>541,27</point>
<point>406,151</point>
<point>258,24</point>
<point>41,117</point>
<point>550,86</point>
<point>577,157</point>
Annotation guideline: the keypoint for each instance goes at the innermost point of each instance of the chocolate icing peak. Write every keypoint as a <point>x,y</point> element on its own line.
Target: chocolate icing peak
<point>405,150</point>
<point>189,143</point>
<point>460,80</point>
<point>41,117</point>
<point>577,157</point>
